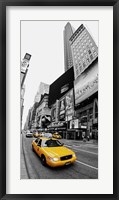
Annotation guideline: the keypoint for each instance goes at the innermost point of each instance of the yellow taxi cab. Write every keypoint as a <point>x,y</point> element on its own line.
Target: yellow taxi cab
<point>36,134</point>
<point>52,152</point>
<point>56,135</point>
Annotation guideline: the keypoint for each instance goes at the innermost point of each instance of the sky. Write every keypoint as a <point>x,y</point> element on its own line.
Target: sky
<point>44,41</point>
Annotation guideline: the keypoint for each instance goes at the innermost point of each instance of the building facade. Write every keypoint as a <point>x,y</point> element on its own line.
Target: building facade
<point>75,108</point>
<point>85,63</point>
<point>43,113</point>
<point>27,124</point>
<point>68,32</point>
<point>43,88</point>
<point>84,50</point>
<point>61,102</point>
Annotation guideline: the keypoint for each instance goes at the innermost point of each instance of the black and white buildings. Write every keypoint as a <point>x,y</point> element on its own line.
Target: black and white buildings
<point>72,99</point>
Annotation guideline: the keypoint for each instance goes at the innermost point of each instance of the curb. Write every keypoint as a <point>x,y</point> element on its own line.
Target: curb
<point>29,167</point>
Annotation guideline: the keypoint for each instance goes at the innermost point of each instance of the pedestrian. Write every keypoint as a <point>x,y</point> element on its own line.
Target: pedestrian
<point>88,138</point>
<point>83,136</point>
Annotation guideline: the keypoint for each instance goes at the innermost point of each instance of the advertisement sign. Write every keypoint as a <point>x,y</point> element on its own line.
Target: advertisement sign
<point>53,114</point>
<point>27,56</point>
<point>62,110</point>
<point>86,84</point>
<point>57,110</point>
<point>69,99</point>
<point>61,86</point>
<point>74,124</point>
<point>25,63</point>
<point>22,76</point>
<point>64,88</point>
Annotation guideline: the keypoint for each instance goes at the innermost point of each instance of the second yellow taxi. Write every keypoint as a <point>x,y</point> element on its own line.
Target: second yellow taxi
<point>52,152</point>
<point>56,135</point>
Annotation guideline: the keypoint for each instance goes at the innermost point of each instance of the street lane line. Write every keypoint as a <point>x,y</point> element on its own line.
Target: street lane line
<point>87,145</point>
<point>86,165</point>
<point>82,150</point>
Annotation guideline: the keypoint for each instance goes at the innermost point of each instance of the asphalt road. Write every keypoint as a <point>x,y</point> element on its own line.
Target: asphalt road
<point>85,167</point>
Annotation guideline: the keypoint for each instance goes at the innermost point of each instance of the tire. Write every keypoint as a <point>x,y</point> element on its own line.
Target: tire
<point>43,160</point>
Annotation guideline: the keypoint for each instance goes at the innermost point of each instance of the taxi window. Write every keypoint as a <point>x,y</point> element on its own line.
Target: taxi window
<point>53,143</point>
<point>39,143</point>
<point>36,141</point>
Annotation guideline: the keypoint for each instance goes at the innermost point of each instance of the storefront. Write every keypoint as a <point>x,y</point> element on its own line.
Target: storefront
<point>87,113</point>
<point>60,128</point>
<point>86,100</point>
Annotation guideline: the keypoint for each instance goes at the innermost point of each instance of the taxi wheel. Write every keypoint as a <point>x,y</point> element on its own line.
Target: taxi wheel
<point>43,160</point>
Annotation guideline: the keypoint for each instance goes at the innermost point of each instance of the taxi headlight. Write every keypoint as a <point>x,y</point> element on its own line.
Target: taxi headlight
<point>74,155</point>
<point>55,159</point>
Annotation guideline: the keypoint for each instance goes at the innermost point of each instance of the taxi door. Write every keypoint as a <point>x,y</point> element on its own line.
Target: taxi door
<point>39,147</point>
<point>35,145</point>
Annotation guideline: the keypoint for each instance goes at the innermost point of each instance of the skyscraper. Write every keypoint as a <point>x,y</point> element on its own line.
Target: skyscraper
<point>68,32</point>
<point>43,88</point>
<point>84,50</point>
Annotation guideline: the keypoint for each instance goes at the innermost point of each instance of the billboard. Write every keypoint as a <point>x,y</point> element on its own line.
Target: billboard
<point>27,56</point>
<point>25,63</point>
<point>53,114</point>
<point>74,124</point>
<point>86,84</point>
<point>69,99</point>
<point>57,111</point>
<point>62,109</point>
<point>61,86</point>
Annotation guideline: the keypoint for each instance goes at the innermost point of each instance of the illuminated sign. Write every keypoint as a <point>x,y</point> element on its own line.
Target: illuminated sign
<point>25,63</point>
<point>24,66</point>
<point>53,114</point>
<point>83,126</point>
<point>64,88</point>
<point>69,99</point>
<point>27,56</point>
<point>57,111</point>
<point>62,109</point>
<point>74,124</point>
<point>86,84</point>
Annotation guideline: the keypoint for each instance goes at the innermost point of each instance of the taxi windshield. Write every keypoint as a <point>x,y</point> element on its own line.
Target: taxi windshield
<point>51,143</point>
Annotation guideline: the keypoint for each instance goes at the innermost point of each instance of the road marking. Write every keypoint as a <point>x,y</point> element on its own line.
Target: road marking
<point>86,165</point>
<point>87,145</point>
<point>82,150</point>
<point>92,146</point>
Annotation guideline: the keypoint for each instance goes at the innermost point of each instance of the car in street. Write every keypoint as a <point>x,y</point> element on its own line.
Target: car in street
<point>56,135</point>
<point>48,135</point>
<point>52,152</point>
<point>29,134</point>
<point>36,135</point>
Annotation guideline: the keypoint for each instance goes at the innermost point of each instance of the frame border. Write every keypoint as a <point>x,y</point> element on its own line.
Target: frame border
<point>3,5</point>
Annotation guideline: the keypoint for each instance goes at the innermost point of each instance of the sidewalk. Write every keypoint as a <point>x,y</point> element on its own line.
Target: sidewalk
<point>23,171</point>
